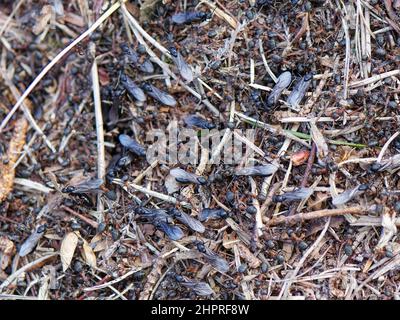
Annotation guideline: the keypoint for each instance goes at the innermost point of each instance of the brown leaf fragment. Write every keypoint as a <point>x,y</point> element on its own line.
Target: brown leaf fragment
<point>43,19</point>
<point>320,142</point>
<point>67,249</point>
<point>300,157</point>
<point>74,19</point>
<point>89,255</point>
<point>16,144</point>
<point>247,255</point>
<point>7,250</point>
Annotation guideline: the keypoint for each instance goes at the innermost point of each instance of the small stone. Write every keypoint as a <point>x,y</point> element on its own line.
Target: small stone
<point>101,227</point>
<point>111,195</point>
<point>276,59</point>
<point>78,266</point>
<point>271,44</point>
<point>141,49</point>
<point>397,207</point>
<point>303,245</point>
<point>122,250</point>
<point>212,34</point>
<point>389,253</point>
<point>348,250</point>
<point>251,210</point>
<point>114,234</point>
<point>392,104</point>
<point>280,259</point>
<point>242,268</point>
<point>75,226</point>
<point>380,52</point>
<point>264,267</point>
<point>308,6</point>
<point>230,196</point>
<point>375,167</point>
<point>250,15</point>
<point>270,244</point>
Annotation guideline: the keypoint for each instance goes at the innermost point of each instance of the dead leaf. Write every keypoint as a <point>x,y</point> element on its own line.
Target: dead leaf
<point>67,249</point>
<point>319,140</point>
<point>337,286</point>
<point>7,250</point>
<point>44,289</point>
<point>229,240</point>
<point>300,157</point>
<point>7,246</point>
<point>104,78</point>
<point>147,9</point>
<point>389,229</point>
<point>89,255</point>
<point>43,19</point>
<point>247,255</point>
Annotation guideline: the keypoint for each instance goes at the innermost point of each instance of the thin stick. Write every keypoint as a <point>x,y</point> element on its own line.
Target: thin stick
<point>151,193</point>
<point>384,148</point>
<point>101,162</point>
<point>9,18</point>
<point>26,267</point>
<point>141,175</point>
<point>270,128</point>
<point>307,172</point>
<point>269,71</point>
<point>315,215</point>
<point>26,110</point>
<point>347,58</point>
<point>52,63</point>
<point>90,222</point>
<point>292,275</point>
<point>375,78</point>
<point>114,281</point>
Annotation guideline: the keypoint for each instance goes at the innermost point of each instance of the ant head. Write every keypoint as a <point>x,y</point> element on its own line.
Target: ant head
<point>68,189</point>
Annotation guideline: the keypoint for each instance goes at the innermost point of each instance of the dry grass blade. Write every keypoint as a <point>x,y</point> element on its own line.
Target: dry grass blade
<point>67,249</point>
<point>26,267</point>
<point>101,162</point>
<point>316,215</point>
<point>56,59</point>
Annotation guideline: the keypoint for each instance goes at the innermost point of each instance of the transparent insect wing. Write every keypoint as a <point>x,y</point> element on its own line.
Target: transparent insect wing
<point>216,261</point>
<point>173,232</point>
<point>263,171</point>
<point>147,66</point>
<point>346,196</point>
<point>88,186</point>
<point>182,176</point>
<point>196,121</point>
<point>208,213</point>
<point>183,67</point>
<point>130,54</point>
<point>179,18</point>
<point>283,82</point>
<point>157,214</point>
<point>31,242</point>
<point>134,90</point>
<point>191,222</point>
<point>298,194</point>
<point>162,96</point>
<point>132,145</point>
<point>299,92</point>
<point>199,287</point>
